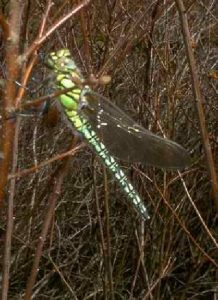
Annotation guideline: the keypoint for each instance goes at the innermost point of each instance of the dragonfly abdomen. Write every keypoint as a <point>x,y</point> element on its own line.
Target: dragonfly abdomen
<point>84,127</point>
<point>74,103</point>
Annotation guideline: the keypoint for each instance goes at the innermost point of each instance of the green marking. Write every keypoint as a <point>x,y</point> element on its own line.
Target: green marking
<point>111,132</point>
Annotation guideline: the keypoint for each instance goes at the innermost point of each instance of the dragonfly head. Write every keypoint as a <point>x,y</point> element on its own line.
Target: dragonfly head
<point>61,61</point>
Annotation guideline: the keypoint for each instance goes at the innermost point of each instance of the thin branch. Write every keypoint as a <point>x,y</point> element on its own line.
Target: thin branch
<point>10,219</point>
<point>28,69</point>
<point>47,162</point>
<point>9,139</point>
<point>107,234</point>
<point>51,30</point>
<point>198,100</point>
<point>57,183</point>
<point>10,94</point>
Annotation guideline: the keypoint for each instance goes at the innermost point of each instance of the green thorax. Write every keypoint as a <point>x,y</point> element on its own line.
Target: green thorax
<point>75,104</point>
<point>68,76</point>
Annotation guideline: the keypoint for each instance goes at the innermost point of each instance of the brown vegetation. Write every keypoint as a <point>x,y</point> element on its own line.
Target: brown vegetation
<point>67,230</point>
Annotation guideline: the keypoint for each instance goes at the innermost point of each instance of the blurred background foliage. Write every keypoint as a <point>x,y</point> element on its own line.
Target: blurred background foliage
<point>140,45</point>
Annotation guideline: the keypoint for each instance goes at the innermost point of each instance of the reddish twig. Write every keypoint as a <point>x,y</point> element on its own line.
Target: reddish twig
<point>57,183</point>
<point>59,23</point>
<point>9,141</point>
<point>33,60</point>
<point>45,163</point>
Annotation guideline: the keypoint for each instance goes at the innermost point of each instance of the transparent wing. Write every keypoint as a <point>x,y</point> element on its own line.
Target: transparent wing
<point>128,141</point>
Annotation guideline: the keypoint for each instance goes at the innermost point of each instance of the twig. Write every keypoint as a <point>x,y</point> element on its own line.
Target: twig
<point>33,60</point>
<point>10,219</point>
<point>47,162</point>
<point>59,23</point>
<point>108,259</point>
<point>9,140</point>
<point>57,183</point>
<point>198,100</point>
<point>8,127</point>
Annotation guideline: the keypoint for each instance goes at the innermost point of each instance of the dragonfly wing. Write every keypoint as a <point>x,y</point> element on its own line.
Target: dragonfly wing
<point>127,140</point>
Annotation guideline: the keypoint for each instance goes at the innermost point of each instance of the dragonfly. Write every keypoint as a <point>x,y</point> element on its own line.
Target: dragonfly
<point>110,132</point>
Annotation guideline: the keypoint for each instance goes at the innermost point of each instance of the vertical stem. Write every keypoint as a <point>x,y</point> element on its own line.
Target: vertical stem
<point>108,267</point>
<point>198,100</point>
<point>57,183</point>
<point>9,133</point>
<point>10,220</point>
<point>8,127</point>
